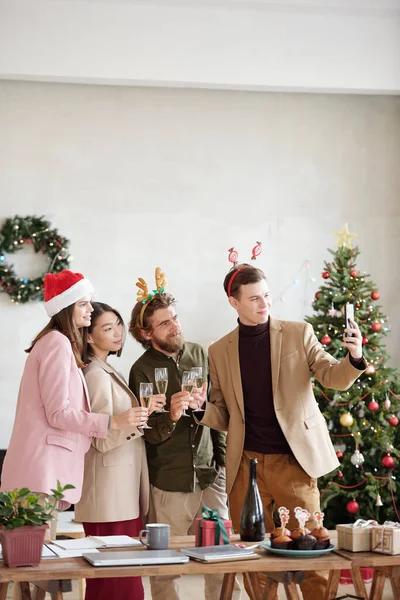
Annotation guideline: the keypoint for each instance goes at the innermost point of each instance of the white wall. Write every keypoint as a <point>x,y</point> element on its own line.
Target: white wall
<point>302,45</point>
<point>143,177</point>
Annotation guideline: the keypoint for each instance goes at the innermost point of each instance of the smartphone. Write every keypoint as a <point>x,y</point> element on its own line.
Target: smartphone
<point>348,313</point>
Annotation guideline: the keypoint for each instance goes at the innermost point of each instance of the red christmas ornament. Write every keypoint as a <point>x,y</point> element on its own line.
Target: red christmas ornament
<point>354,273</point>
<point>325,274</point>
<point>256,251</point>
<point>373,406</point>
<point>233,256</point>
<point>326,340</point>
<point>365,341</point>
<point>339,455</point>
<point>358,305</point>
<point>388,461</point>
<point>352,507</point>
<point>375,295</point>
<point>376,326</point>
<point>317,295</point>
<point>393,421</point>
<point>340,475</point>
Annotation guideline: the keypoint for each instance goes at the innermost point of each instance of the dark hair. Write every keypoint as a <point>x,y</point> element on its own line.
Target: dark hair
<point>99,308</point>
<point>159,301</point>
<point>248,274</point>
<point>64,323</point>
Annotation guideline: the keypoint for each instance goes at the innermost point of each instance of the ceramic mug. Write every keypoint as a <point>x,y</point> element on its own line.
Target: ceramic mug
<point>157,536</point>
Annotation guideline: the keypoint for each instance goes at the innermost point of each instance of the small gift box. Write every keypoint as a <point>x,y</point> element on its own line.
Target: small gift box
<point>211,530</point>
<point>355,537</point>
<point>386,538</point>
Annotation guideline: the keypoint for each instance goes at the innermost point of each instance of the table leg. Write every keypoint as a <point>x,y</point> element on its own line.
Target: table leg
<point>25,590</point>
<point>333,584</point>
<point>291,591</point>
<point>39,594</point>
<point>358,582</point>
<point>227,586</point>
<point>378,583</point>
<point>395,581</point>
<point>3,590</point>
<point>271,589</point>
<point>56,595</point>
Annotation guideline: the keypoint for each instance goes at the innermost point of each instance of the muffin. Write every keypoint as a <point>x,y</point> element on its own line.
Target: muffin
<point>282,542</point>
<point>321,534</point>
<point>306,542</point>
<point>279,531</point>
<point>298,532</point>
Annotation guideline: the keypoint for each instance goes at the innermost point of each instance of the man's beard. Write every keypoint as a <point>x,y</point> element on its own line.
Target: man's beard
<point>173,343</point>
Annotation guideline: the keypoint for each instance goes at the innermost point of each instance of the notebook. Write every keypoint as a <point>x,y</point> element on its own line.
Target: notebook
<point>116,541</point>
<point>90,542</point>
<point>219,553</point>
<point>54,551</point>
<point>135,558</point>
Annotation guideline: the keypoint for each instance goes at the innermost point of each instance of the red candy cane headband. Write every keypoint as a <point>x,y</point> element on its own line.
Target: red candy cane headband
<point>233,258</point>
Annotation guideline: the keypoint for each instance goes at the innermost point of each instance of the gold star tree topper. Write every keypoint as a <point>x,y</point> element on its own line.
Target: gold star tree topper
<point>344,237</point>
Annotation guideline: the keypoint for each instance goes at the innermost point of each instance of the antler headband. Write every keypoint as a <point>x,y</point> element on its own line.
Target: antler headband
<point>143,294</point>
<point>233,257</point>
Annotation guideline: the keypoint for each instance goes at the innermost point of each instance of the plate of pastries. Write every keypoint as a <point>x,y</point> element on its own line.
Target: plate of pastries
<point>301,541</point>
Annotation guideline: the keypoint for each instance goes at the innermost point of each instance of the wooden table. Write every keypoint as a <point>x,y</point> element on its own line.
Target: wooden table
<point>384,565</point>
<point>79,568</point>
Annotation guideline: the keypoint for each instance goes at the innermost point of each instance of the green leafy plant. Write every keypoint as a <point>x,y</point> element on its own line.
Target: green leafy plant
<point>23,507</point>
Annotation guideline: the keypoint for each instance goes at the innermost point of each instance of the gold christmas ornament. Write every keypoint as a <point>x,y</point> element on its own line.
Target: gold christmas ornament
<point>346,420</point>
<point>344,237</point>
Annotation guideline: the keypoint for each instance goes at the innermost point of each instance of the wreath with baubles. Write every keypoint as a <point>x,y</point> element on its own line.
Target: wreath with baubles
<point>37,231</point>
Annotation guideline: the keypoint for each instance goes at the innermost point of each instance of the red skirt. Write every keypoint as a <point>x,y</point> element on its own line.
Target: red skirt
<point>115,588</point>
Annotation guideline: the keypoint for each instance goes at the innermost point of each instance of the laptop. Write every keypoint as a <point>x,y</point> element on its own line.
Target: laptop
<point>132,558</point>
<point>221,553</point>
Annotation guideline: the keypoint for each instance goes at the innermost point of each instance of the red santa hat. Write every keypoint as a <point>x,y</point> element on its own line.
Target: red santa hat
<point>63,289</point>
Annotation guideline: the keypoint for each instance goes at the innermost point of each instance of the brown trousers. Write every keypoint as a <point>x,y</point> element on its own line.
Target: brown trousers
<point>281,482</point>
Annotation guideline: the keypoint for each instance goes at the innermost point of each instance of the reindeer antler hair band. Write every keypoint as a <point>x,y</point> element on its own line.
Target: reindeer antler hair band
<point>143,294</point>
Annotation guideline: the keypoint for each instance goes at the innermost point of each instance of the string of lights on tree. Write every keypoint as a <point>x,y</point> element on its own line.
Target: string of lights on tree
<point>19,232</point>
<point>363,421</point>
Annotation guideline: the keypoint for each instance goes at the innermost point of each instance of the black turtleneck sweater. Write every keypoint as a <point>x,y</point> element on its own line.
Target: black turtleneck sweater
<point>263,432</point>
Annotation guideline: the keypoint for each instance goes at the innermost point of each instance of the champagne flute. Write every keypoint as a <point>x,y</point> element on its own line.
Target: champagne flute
<point>187,386</point>
<point>161,377</point>
<point>145,394</point>
<point>197,373</point>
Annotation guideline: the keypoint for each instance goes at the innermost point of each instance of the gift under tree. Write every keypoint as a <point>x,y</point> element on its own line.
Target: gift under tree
<point>363,421</point>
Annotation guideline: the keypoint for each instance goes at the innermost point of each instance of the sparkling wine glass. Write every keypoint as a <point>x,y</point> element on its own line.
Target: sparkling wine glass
<point>187,386</point>
<point>145,394</point>
<point>197,373</point>
<point>161,377</point>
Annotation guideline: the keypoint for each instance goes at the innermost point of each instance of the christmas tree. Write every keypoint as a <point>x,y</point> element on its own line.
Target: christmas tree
<point>363,421</point>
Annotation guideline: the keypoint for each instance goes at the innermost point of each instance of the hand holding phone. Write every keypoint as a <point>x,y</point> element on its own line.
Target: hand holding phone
<point>348,314</point>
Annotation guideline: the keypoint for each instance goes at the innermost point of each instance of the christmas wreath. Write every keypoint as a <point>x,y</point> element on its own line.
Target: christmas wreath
<point>15,233</point>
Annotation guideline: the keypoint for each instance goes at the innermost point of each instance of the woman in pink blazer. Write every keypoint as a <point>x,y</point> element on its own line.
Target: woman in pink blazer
<point>53,424</point>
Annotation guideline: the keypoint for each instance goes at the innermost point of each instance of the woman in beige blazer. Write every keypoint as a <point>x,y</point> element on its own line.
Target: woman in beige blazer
<point>115,491</point>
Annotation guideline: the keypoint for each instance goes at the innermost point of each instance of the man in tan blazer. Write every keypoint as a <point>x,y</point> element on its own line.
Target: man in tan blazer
<point>261,393</point>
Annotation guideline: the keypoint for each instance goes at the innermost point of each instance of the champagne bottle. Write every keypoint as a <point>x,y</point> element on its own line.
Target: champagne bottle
<point>252,524</point>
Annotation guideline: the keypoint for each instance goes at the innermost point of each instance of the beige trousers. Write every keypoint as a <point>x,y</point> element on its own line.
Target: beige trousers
<point>179,510</point>
<point>281,482</point>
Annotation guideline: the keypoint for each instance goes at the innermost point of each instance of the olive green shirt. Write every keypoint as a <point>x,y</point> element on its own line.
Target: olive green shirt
<point>179,453</point>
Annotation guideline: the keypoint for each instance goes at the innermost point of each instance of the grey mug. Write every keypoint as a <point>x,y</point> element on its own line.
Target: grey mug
<point>157,536</point>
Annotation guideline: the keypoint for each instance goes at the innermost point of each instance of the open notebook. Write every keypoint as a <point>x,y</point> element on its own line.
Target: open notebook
<point>104,541</point>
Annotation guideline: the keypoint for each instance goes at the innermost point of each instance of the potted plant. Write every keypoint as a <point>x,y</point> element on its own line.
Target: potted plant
<point>23,522</point>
